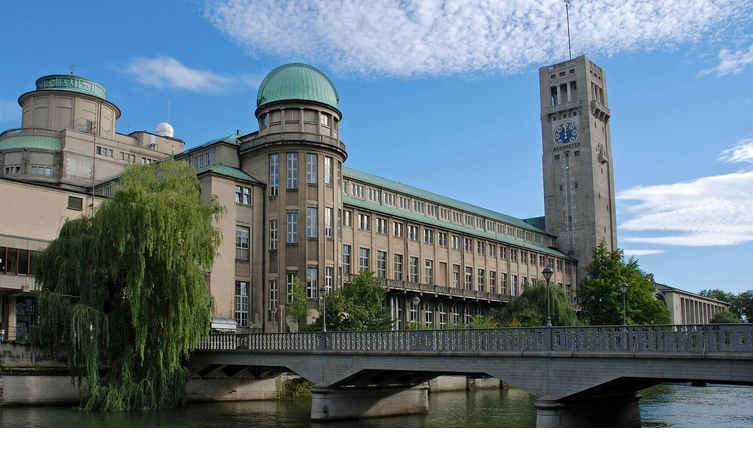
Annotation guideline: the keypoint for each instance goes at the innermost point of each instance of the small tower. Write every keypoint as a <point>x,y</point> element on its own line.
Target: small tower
<point>577,158</point>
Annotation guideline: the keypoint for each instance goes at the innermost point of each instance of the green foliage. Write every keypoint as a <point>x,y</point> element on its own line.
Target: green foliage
<point>358,306</point>
<point>741,305</point>
<point>478,322</point>
<point>532,303</point>
<point>127,288</point>
<point>725,316</point>
<point>298,306</point>
<point>600,296</point>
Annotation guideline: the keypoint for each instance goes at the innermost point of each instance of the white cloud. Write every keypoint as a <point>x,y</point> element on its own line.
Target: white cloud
<point>642,252</point>
<point>708,211</point>
<point>731,62</point>
<point>741,152</point>
<point>9,110</point>
<point>429,37</point>
<point>165,72</point>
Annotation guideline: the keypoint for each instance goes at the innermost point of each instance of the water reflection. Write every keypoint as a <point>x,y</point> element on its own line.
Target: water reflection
<point>661,406</point>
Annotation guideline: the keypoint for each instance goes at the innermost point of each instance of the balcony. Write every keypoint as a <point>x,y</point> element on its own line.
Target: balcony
<point>562,107</point>
<point>436,290</point>
<point>600,111</point>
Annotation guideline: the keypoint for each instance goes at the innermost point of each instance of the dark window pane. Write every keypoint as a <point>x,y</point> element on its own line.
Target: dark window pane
<point>23,262</point>
<point>2,259</point>
<point>12,259</point>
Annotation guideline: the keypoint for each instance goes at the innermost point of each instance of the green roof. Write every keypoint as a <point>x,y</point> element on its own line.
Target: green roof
<point>228,171</point>
<point>71,83</point>
<point>232,139</point>
<point>45,142</point>
<point>420,218</point>
<point>297,82</point>
<point>436,198</point>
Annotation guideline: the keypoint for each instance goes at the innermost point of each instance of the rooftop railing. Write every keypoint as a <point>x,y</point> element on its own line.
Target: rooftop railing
<point>638,339</point>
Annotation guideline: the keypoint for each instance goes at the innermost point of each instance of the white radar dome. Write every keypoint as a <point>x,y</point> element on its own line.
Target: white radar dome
<point>165,129</point>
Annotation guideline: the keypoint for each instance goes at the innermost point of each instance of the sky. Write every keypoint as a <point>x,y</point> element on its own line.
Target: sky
<point>449,91</point>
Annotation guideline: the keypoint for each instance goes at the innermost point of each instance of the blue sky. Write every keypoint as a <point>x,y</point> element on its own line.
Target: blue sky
<point>451,92</point>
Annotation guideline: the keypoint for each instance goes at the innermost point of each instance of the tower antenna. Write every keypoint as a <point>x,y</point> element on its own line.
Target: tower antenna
<point>567,14</point>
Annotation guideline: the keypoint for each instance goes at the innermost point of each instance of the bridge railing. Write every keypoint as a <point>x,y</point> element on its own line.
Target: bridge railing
<point>611,339</point>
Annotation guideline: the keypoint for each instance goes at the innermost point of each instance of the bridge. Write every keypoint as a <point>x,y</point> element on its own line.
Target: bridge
<point>581,376</point>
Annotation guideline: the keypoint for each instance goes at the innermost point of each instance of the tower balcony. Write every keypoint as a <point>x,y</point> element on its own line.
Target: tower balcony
<point>600,111</point>
<point>561,107</point>
<point>293,137</point>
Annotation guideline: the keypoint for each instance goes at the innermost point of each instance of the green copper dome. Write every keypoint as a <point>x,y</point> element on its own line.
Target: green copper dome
<point>71,83</point>
<point>297,82</point>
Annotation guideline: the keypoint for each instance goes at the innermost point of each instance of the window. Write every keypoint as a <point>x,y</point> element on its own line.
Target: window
<point>327,170</point>
<point>442,315</point>
<point>456,313</point>
<point>442,239</point>
<point>397,229</point>
<point>292,170</point>
<point>291,276</point>
<point>346,258</point>
<point>398,267</point>
<point>241,303</point>
<point>480,247</point>
<point>311,231</point>
<point>373,195</point>
<point>429,271</point>
<point>523,283</point>
<point>523,257</point>
<point>492,282</point>
<point>513,255</point>
<point>329,274</point>
<point>551,262</point>
<point>503,283</point>
<point>468,243</point>
<point>292,228</point>
<point>503,252</point>
<point>41,170</point>
<point>413,313</point>
<point>567,266</point>
<point>273,234</point>
<point>238,194</point>
<point>12,170</point>
<point>348,222</point>
<point>272,294</point>
<point>274,173</point>
<point>428,236</point>
<point>381,226</point>
<point>492,250</point>
<point>241,242</point>
<point>312,277</point>
<point>363,222</point>
<point>246,196</point>
<point>469,278</point>
<point>404,203</point>
<point>481,279</point>
<point>559,265</point>
<point>363,259</point>
<point>356,190</point>
<point>514,285</point>
<point>413,270</point>
<point>328,222</point>
<point>310,168</point>
<point>388,199</point>
<point>324,119</point>
<point>413,232</point>
<point>75,203</point>
<point>418,207</point>
<point>429,314</point>
<point>533,259</point>
<point>455,276</point>
<point>455,242</point>
<point>381,271</point>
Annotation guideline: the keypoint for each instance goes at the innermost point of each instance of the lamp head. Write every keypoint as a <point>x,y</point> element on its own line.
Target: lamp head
<point>547,273</point>
<point>624,287</point>
<point>416,300</point>
<point>323,291</point>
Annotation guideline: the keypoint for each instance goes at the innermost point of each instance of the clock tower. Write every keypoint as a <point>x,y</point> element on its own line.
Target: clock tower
<point>577,158</point>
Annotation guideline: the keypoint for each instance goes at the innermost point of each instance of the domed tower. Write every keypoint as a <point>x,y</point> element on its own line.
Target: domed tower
<point>298,153</point>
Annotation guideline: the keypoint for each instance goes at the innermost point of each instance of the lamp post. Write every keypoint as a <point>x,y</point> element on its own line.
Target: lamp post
<point>547,272</point>
<point>624,288</point>
<point>416,301</point>
<point>323,294</point>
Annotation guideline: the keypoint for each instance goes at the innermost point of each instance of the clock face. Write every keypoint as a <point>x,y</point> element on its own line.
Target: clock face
<point>566,133</point>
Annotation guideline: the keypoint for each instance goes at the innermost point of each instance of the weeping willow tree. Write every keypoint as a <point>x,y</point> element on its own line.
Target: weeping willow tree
<point>125,291</point>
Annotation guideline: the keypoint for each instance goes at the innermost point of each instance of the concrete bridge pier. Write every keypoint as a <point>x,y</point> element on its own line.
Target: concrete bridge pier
<point>603,411</point>
<point>335,403</point>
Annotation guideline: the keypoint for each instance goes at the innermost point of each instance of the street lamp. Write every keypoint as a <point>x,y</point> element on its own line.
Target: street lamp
<point>624,288</point>
<point>548,276</point>
<point>416,301</point>
<point>323,294</point>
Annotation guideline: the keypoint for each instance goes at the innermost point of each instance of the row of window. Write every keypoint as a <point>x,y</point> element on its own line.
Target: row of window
<point>15,261</point>
<point>203,160</point>
<point>293,116</point>
<point>291,173</point>
<point>103,151</point>
<point>243,195</point>
<point>35,170</point>
<point>441,311</point>
<point>442,213</point>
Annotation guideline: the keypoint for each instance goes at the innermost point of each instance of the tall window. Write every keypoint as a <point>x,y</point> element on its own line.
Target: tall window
<point>238,194</point>
<point>310,168</point>
<point>513,285</point>
<point>469,278</point>
<point>241,242</point>
<point>412,232</point>
<point>503,283</point>
<point>329,273</point>
<point>274,173</point>
<point>428,271</point>
<point>442,239</point>
<point>398,267</point>
<point>273,234</point>
<point>397,229</point>
<point>363,259</point>
<point>290,284</point>
<point>413,270</point>
<point>381,271</point>
<point>480,246</point>
<point>468,243</point>
<point>456,313</point>
<point>381,226</point>
<point>292,228</point>
<point>348,218</point>
<point>428,236</point>
<point>312,277</point>
<point>292,170</point>
<point>246,196</point>
<point>272,294</point>
<point>442,315</point>
<point>455,276</point>
<point>481,280</point>
<point>328,170</point>
<point>413,313</point>
<point>455,242</point>
<point>241,303</point>
<point>492,282</point>
<point>328,222</point>
<point>429,314</point>
<point>363,222</point>
<point>346,258</point>
<point>311,222</point>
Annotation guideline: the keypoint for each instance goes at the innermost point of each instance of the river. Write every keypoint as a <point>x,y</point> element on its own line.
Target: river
<point>661,406</point>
